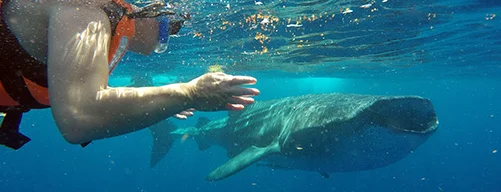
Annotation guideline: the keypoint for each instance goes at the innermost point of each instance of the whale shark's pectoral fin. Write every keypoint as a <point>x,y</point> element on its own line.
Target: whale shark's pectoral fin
<point>243,160</point>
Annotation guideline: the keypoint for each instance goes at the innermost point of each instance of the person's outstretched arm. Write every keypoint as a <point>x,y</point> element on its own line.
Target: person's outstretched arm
<point>85,108</point>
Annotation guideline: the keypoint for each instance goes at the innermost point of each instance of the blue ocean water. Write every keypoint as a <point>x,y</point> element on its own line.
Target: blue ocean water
<point>447,51</point>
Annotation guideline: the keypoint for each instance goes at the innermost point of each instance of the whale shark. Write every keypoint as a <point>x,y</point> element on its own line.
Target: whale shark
<point>325,133</point>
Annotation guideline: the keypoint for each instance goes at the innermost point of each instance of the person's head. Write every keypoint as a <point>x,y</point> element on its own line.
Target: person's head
<point>145,39</point>
<point>153,28</point>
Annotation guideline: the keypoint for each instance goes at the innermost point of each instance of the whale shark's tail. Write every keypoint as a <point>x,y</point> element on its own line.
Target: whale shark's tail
<point>162,140</point>
<point>165,133</point>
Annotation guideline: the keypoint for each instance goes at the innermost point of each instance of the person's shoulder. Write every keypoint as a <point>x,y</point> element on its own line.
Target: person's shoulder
<point>70,3</point>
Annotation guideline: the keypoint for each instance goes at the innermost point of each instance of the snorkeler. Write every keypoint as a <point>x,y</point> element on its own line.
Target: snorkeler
<point>67,49</point>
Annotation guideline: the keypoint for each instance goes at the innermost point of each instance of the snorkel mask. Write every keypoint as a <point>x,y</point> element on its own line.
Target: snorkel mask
<point>161,12</point>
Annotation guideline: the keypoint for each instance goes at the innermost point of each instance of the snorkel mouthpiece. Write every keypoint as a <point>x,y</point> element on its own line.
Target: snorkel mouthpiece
<point>163,35</point>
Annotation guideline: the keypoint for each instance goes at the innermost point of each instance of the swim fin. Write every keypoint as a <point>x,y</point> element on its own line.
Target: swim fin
<point>9,131</point>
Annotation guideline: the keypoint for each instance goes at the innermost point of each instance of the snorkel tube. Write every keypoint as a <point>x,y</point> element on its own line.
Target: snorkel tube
<point>163,35</point>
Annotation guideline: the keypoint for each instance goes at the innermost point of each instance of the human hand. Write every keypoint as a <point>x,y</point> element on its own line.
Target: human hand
<point>184,114</point>
<point>219,91</point>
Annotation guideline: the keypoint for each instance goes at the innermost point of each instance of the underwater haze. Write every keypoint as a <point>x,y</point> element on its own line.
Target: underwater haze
<point>447,51</point>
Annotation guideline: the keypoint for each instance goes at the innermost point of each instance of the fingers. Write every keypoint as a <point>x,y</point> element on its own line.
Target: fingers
<point>191,110</point>
<point>235,80</point>
<point>242,80</point>
<point>239,91</point>
<point>219,91</point>
<point>181,117</point>
<point>237,103</point>
<point>184,114</point>
<point>235,107</point>
<point>240,94</point>
<point>241,100</point>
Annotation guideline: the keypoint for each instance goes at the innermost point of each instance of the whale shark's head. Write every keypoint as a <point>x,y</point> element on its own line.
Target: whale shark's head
<point>376,133</point>
<point>405,115</point>
<point>394,129</point>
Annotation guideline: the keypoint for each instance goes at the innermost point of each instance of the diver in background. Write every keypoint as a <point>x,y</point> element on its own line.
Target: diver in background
<point>141,80</point>
<point>67,49</point>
